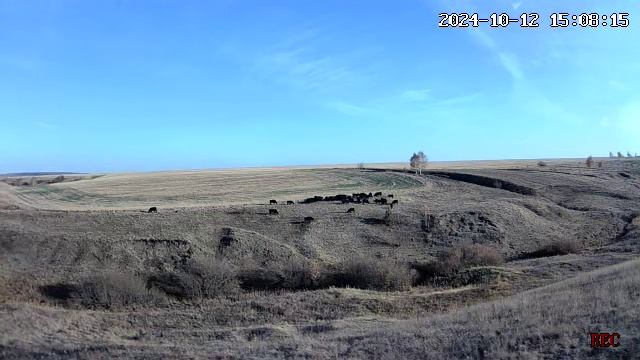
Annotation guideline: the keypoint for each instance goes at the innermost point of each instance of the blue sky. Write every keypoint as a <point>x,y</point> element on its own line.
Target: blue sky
<point>149,85</point>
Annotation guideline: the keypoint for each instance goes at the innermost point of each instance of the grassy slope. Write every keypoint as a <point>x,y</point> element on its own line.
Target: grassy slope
<point>548,322</point>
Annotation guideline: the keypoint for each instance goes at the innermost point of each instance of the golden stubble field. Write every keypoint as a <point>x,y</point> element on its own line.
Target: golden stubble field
<point>179,189</point>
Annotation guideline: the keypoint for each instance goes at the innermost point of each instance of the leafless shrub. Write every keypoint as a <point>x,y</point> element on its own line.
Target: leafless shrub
<point>451,262</point>
<point>480,255</point>
<point>301,275</point>
<point>559,247</point>
<point>115,289</point>
<point>542,163</point>
<point>197,279</point>
<point>296,275</point>
<point>364,273</point>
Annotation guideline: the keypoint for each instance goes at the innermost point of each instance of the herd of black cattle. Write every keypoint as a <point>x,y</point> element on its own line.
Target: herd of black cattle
<point>355,198</point>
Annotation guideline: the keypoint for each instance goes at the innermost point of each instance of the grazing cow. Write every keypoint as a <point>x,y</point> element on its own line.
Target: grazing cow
<point>394,202</point>
<point>370,195</point>
<point>289,202</point>
<point>365,201</point>
<point>378,194</point>
<point>273,212</point>
<point>308,218</point>
<point>273,202</point>
<point>153,209</point>
<point>383,201</point>
<point>390,195</point>
<point>351,210</point>
<point>377,201</point>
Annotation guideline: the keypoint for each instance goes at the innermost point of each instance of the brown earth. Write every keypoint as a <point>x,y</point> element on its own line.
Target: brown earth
<point>58,235</point>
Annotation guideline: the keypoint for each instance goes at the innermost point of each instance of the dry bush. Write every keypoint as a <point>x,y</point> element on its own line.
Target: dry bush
<point>197,279</point>
<point>297,274</point>
<point>481,255</point>
<point>449,263</point>
<point>114,289</point>
<point>558,247</point>
<point>446,265</point>
<point>373,274</point>
<point>550,322</point>
<point>301,275</point>
<point>542,163</point>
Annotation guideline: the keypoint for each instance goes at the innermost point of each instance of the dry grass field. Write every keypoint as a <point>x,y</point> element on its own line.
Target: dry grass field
<point>492,260</point>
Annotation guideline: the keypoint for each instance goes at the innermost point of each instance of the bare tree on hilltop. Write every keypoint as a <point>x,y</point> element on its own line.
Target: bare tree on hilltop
<point>418,161</point>
<point>620,156</point>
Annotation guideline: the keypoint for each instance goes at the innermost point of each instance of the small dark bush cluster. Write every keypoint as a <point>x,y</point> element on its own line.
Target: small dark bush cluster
<point>114,289</point>
<point>371,274</point>
<point>554,249</point>
<point>451,262</point>
<point>295,275</point>
<point>480,255</point>
<point>197,279</point>
<point>542,163</point>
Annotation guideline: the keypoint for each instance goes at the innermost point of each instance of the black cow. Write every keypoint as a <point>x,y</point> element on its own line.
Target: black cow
<point>390,195</point>
<point>153,209</point>
<point>383,201</point>
<point>273,212</point>
<point>370,195</point>
<point>378,194</point>
<point>394,202</point>
<point>273,202</point>
<point>289,202</point>
<point>351,210</point>
<point>365,201</point>
<point>308,218</point>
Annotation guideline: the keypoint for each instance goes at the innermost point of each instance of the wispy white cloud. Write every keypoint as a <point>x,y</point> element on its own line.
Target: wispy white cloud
<point>508,60</point>
<point>303,61</point>
<point>349,109</point>
<point>415,95</point>
<point>45,125</point>
<point>408,102</point>
<point>511,64</point>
